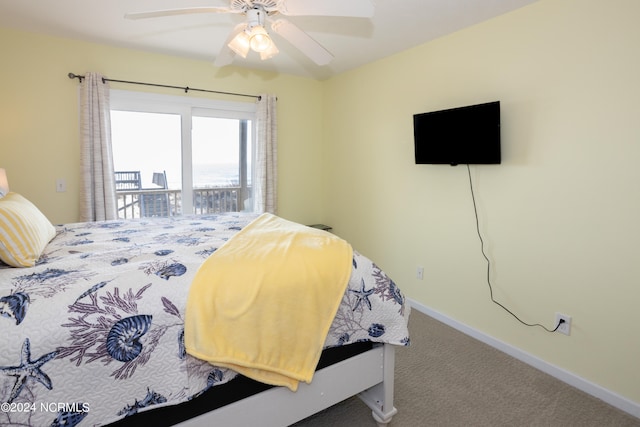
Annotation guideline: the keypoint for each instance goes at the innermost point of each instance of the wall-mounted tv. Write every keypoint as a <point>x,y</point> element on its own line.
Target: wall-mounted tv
<point>463,135</point>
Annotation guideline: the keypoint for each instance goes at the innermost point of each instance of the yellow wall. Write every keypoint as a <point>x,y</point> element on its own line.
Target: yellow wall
<point>560,216</point>
<point>39,129</point>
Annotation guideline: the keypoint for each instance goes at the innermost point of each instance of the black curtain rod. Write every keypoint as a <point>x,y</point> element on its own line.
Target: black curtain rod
<point>185,88</point>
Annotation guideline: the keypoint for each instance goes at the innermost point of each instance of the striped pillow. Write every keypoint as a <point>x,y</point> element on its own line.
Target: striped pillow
<point>24,231</point>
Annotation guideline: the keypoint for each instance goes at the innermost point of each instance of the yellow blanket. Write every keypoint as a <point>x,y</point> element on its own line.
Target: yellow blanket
<point>262,304</point>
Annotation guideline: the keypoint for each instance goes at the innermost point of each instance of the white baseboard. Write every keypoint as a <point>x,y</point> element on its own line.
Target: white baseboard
<point>613,399</point>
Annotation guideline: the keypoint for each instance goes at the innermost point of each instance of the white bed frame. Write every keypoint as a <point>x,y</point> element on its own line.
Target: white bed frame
<point>370,375</point>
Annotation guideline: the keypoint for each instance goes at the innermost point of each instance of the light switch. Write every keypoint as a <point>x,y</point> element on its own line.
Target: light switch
<point>61,185</point>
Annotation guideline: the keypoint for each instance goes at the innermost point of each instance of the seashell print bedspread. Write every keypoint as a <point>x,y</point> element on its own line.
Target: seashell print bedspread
<point>94,332</point>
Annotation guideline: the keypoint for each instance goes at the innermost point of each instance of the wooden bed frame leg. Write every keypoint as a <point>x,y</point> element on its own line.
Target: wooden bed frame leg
<point>380,397</point>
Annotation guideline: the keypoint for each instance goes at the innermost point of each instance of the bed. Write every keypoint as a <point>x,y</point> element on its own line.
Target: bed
<point>93,332</point>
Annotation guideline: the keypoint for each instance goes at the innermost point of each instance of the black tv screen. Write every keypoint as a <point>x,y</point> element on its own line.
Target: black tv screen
<point>463,135</point>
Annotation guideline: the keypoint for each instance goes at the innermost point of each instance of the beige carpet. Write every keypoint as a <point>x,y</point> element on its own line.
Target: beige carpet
<point>446,378</point>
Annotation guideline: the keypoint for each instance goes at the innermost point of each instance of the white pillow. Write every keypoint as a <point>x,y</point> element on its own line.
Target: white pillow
<point>24,231</point>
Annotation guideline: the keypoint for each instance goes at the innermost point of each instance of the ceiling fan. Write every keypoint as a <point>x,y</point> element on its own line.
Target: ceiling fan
<point>253,35</point>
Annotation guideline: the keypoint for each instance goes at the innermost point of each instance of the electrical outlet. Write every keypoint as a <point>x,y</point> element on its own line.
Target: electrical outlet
<point>420,273</point>
<point>565,327</point>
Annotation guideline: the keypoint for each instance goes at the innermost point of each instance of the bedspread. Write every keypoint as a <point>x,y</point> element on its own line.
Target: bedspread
<point>94,332</point>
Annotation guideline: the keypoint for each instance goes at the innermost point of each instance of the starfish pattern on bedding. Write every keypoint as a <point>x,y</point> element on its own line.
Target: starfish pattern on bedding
<point>28,369</point>
<point>362,295</point>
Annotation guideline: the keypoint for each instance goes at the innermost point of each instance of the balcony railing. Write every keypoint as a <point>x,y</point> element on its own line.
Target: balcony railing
<point>165,203</point>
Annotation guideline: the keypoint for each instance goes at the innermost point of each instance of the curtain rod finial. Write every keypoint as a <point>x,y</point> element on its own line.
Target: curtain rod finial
<point>75,76</point>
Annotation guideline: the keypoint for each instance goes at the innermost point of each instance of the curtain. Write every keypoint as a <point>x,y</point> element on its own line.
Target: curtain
<point>97,185</point>
<point>266,167</point>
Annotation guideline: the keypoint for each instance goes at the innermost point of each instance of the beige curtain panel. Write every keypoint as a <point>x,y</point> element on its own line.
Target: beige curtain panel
<point>266,169</point>
<point>97,186</point>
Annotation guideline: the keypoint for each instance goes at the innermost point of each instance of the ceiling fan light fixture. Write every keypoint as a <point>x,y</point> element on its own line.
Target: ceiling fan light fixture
<point>251,35</point>
<point>259,39</point>
<point>240,44</point>
<point>269,53</point>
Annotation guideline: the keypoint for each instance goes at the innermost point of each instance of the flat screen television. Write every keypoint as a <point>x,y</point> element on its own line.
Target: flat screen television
<point>463,135</point>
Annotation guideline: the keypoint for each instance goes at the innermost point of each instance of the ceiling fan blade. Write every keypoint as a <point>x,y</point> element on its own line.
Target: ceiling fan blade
<point>302,41</point>
<point>226,54</point>
<point>351,8</point>
<point>184,11</point>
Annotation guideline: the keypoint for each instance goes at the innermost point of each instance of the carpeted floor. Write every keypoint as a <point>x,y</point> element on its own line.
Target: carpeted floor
<point>446,378</point>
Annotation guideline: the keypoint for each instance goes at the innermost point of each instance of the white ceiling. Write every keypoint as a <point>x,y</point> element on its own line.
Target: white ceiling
<point>397,25</point>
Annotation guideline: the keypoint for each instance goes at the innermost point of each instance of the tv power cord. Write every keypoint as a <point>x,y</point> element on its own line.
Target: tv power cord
<point>475,210</point>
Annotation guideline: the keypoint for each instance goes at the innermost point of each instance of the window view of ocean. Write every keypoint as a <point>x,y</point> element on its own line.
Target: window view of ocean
<point>216,175</point>
<point>150,143</point>
<point>204,175</point>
